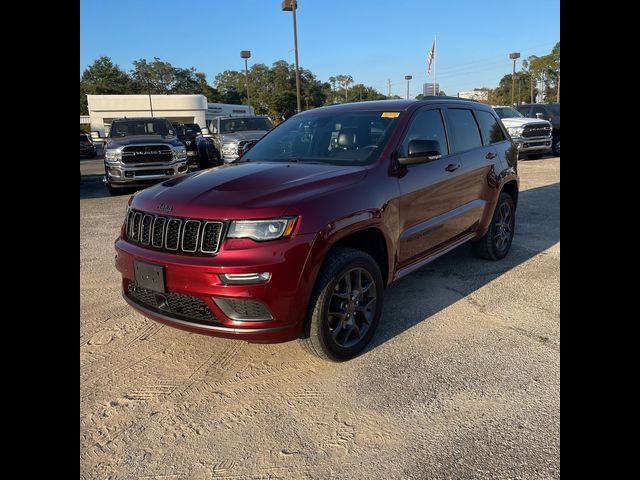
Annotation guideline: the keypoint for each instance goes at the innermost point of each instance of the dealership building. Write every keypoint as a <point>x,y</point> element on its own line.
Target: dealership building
<point>176,108</point>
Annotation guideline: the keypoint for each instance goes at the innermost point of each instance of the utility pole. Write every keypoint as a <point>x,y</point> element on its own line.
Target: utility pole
<point>246,54</point>
<point>558,88</point>
<point>292,6</point>
<point>389,81</point>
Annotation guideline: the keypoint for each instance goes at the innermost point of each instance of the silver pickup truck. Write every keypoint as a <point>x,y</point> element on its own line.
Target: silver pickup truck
<point>227,138</point>
<point>532,136</point>
<point>142,151</point>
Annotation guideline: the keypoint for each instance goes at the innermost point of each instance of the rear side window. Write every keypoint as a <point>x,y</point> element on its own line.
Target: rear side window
<point>464,129</point>
<point>490,128</point>
<point>426,125</point>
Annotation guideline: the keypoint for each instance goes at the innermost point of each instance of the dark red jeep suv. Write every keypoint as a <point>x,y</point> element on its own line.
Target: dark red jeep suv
<point>300,237</point>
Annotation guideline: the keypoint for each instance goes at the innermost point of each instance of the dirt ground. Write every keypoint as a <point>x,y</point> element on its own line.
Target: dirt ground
<point>461,381</point>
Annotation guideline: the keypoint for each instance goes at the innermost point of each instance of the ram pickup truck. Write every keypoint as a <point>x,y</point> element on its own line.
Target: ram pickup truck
<point>227,138</point>
<point>142,151</point>
<point>301,236</point>
<point>531,136</point>
<point>545,111</point>
<point>187,133</point>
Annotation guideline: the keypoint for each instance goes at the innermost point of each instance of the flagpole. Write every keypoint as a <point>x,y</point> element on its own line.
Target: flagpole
<point>435,77</point>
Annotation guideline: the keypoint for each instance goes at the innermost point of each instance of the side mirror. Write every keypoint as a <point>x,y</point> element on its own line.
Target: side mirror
<point>205,131</point>
<point>539,115</point>
<point>421,151</point>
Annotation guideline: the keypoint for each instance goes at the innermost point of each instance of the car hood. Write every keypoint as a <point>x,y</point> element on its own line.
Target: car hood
<point>142,139</point>
<point>240,136</point>
<point>245,190</point>
<point>521,121</point>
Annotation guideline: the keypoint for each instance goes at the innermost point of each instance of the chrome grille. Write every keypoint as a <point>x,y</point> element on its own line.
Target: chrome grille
<point>211,237</point>
<point>158,232</point>
<point>147,154</point>
<point>537,130</point>
<point>145,232</point>
<point>174,234</point>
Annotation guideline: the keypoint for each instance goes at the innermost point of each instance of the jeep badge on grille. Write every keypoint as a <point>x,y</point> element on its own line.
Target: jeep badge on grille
<point>163,207</point>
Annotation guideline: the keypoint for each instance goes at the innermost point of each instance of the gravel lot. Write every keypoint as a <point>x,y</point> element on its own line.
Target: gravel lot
<point>462,380</point>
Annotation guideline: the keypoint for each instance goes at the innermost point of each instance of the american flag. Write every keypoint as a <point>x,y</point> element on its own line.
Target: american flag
<point>430,57</point>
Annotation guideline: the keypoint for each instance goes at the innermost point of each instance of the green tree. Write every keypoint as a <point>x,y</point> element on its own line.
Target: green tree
<point>102,77</point>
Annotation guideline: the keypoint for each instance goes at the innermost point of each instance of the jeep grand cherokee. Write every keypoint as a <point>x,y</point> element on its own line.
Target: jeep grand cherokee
<point>302,235</point>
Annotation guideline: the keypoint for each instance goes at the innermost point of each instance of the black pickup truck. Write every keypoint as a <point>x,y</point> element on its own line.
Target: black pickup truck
<point>187,133</point>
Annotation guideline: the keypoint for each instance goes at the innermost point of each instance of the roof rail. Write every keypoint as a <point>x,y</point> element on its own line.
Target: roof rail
<point>444,97</point>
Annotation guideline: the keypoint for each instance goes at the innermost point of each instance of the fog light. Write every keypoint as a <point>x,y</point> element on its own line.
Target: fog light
<point>244,278</point>
<point>114,172</point>
<point>168,171</point>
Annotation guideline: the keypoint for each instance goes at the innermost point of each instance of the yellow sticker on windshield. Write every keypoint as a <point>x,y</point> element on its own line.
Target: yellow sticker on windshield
<point>390,114</point>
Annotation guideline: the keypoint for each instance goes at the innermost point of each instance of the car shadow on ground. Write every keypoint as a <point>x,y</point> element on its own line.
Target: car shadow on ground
<point>459,273</point>
<point>91,186</point>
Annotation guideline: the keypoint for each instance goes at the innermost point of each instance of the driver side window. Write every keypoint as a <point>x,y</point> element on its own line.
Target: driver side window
<point>426,125</point>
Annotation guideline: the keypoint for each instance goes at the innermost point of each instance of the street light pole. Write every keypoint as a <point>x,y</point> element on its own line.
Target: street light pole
<point>149,92</point>
<point>408,78</point>
<point>513,56</point>
<point>292,6</point>
<point>246,54</point>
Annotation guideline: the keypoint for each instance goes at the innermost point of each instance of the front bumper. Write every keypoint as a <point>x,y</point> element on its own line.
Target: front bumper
<point>284,296</point>
<point>125,175</point>
<point>532,144</point>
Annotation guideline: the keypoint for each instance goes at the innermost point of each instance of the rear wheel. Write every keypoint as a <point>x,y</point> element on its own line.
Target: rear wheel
<point>497,241</point>
<point>345,306</point>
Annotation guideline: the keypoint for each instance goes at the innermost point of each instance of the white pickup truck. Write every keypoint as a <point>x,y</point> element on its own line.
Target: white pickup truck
<point>532,136</point>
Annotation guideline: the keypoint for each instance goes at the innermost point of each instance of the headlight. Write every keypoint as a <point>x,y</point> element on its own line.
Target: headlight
<point>179,153</point>
<point>113,155</point>
<point>261,230</point>
<point>515,131</point>
<point>229,148</point>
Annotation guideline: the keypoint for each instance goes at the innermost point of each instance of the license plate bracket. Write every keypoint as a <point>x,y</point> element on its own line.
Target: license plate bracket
<point>149,276</point>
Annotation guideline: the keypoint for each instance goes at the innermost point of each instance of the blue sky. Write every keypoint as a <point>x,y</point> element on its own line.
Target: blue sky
<point>370,40</point>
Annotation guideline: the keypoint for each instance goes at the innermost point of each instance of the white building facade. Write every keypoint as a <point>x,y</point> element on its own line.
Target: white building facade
<point>175,108</point>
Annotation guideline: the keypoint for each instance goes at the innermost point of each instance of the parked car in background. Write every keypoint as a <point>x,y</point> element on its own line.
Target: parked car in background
<point>545,111</point>
<point>187,133</point>
<point>301,236</point>
<point>227,138</point>
<point>98,140</point>
<point>87,148</point>
<point>142,151</point>
<point>531,137</point>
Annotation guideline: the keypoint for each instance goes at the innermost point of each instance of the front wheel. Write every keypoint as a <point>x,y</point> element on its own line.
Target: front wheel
<point>497,241</point>
<point>345,306</point>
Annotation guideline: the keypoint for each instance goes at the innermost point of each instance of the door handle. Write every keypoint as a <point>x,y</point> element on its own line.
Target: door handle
<point>490,156</point>
<point>451,167</point>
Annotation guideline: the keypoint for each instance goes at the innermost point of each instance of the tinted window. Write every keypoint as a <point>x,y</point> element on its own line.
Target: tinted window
<point>507,112</point>
<point>490,128</point>
<point>125,128</point>
<point>332,137</point>
<point>245,124</point>
<point>464,129</point>
<point>426,125</point>
<point>554,108</point>
<point>541,110</point>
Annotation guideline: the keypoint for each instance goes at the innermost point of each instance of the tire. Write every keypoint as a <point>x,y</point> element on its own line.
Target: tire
<point>495,245</point>
<point>534,156</point>
<point>556,147</point>
<point>358,319</point>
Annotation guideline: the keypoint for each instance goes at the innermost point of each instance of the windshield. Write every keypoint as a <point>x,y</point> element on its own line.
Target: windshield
<point>344,138</point>
<point>240,124</point>
<point>507,112</point>
<point>555,108</point>
<point>188,129</point>
<point>129,128</point>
